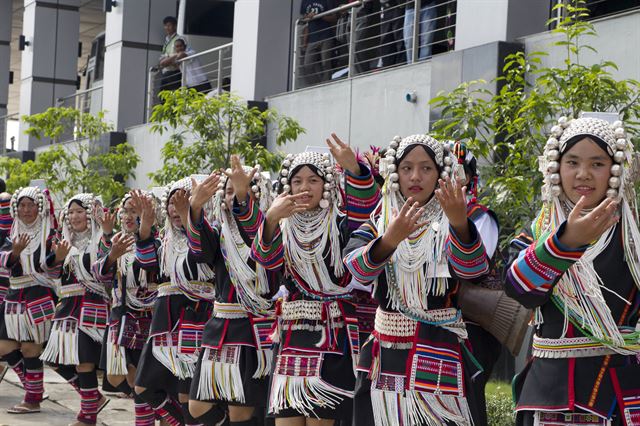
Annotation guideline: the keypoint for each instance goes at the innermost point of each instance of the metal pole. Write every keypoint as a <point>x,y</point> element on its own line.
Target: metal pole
<point>294,71</point>
<point>352,42</point>
<point>183,74</point>
<point>150,83</point>
<point>416,31</point>
<point>220,70</point>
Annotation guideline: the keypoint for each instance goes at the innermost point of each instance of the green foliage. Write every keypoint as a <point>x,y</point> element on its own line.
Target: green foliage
<point>82,165</point>
<point>206,131</point>
<point>507,130</point>
<point>500,410</point>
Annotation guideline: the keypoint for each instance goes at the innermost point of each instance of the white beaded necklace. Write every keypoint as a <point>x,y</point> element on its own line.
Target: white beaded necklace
<point>305,236</point>
<point>250,284</point>
<point>418,264</point>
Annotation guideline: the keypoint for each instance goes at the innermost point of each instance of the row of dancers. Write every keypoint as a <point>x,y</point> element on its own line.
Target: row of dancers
<point>331,296</point>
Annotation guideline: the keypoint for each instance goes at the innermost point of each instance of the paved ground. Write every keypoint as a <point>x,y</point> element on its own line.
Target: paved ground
<point>61,407</point>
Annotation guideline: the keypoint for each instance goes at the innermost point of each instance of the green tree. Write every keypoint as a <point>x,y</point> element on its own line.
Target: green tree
<point>206,131</point>
<point>80,165</point>
<point>508,129</point>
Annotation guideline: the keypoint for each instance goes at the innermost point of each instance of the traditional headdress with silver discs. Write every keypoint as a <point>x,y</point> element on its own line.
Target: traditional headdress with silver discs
<point>590,310</point>
<point>612,135</point>
<point>260,187</point>
<point>324,167</point>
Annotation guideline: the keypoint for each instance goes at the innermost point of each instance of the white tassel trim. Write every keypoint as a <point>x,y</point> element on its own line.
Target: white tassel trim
<point>62,347</point>
<point>303,394</point>
<point>116,359</point>
<point>20,326</point>
<point>414,407</point>
<point>168,355</point>
<point>220,379</point>
<point>265,361</point>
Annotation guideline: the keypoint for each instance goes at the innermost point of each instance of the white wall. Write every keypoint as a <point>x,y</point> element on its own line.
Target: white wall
<point>367,110</point>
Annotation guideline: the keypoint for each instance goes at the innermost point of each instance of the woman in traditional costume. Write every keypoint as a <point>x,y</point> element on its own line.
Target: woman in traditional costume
<point>182,306</point>
<point>82,313</point>
<point>302,238</point>
<point>414,369</point>
<point>32,260</point>
<point>132,297</point>
<point>236,357</point>
<point>581,275</point>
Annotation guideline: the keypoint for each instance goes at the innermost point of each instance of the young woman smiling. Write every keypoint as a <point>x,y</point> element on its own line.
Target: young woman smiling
<point>581,275</point>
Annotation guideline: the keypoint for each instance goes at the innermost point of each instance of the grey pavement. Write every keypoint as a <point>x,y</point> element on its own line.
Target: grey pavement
<point>61,407</point>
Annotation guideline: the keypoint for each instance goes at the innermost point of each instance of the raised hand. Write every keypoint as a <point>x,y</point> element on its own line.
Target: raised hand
<point>19,244</point>
<point>404,223</point>
<point>343,154</point>
<point>583,229</point>
<point>181,204</point>
<point>241,181</point>
<point>285,206</point>
<point>107,221</point>
<point>453,200</point>
<point>120,244</point>
<point>143,208</point>
<point>203,191</point>
<point>61,250</point>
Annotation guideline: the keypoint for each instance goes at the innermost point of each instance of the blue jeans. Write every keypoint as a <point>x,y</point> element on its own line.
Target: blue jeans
<point>427,28</point>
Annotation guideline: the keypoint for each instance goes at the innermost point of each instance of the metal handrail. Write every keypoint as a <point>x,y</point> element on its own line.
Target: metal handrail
<point>205,52</point>
<point>79,93</point>
<point>355,52</point>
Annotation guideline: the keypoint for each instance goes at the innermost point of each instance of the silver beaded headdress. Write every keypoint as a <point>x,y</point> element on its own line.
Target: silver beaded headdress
<point>260,187</point>
<point>184,183</point>
<point>32,192</point>
<point>88,201</point>
<point>324,167</point>
<point>399,145</point>
<point>617,145</point>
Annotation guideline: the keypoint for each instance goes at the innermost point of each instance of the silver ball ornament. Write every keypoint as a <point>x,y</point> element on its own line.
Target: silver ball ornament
<point>393,144</point>
<point>556,131</point>
<point>391,168</point>
<point>390,152</point>
<point>448,161</point>
<point>618,157</point>
<point>255,189</point>
<point>553,155</point>
<point>617,124</point>
<point>284,181</point>
<point>563,121</point>
<point>326,195</point>
<point>552,143</point>
<point>616,170</point>
<point>556,190</point>
<point>284,172</point>
<point>553,166</point>
<point>286,189</point>
<point>612,193</point>
<point>393,177</point>
<point>286,164</point>
<point>621,144</point>
<point>619,132</point>
<point>614,182</point>
<point>324,203</point>
<point>395,187</point>
<point>443,175</point>
<point>554,178</point>
<point>327,186</point>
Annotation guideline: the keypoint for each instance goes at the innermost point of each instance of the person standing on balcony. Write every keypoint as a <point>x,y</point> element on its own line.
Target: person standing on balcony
<point>426,28</point>
<point>317,40</point>
<point>195,76</point>
<point>171,76</point>
<point>391,49</point>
